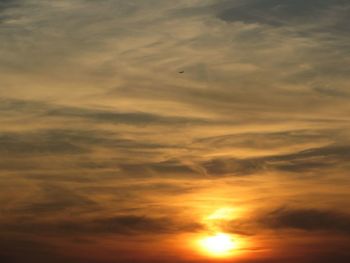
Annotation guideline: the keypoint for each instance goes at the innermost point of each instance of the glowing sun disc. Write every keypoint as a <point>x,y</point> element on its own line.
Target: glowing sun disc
<point>219,245</point>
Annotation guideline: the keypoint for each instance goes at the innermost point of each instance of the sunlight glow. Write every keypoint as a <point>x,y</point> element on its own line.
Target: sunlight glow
<point>219,245</point>
<point>221,214</point>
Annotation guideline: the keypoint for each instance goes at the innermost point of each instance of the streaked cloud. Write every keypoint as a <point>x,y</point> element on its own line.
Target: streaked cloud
<point>106,148</point>
<point>309,220</point>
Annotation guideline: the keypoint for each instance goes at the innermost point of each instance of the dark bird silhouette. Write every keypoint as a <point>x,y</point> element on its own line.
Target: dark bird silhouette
<point>181,72</point>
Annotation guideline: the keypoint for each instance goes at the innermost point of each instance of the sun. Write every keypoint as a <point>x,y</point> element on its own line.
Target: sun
<point>218,245</point>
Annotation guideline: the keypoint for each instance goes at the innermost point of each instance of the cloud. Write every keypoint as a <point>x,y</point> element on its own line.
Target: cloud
<point>22,106</point>
<point>332,92</point>
<point>42,109</point>
<point>308,220</point>
<point>4,5</point>
<point>42,142</point>
<point>164,168</point>
<point>277,13</point>
<point>222,167</point>
<point>115,225</point>
<point>65,141</point>
<point>55,199</point>
<point>313,159</point>
<point>316,158</point>
<point>133,118</point>
<point>312,222</point>
<point>101,137</point>
<point>267,140</point>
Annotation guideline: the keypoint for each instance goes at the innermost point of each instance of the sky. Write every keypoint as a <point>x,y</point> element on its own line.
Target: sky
<point>108,154</point>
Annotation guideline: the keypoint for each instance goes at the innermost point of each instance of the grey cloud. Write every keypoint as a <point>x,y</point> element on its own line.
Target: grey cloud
<point>319,28</point>
<point>142,225</point>
<point>308,220</point>
<point>135,118</point>
<point>91,176</point>
<point>277,13</point>
<point>292,218</point>
<point>41,109</point>
<point>6,4</point>
<point>268,140</point>
<point>164,168</point>
<point>11,164</point>
<point>38,143</point>
<point>80,145</point>
<point>18,106</point>
<point>55,199</point>
<point>117,225</point>
<point>301,166</point>
<point>332,92</point>
<point>66,142</point>
<point>303,161</point>
<point>227,167</point>
<point>162,188</point>
<point>323,157</point>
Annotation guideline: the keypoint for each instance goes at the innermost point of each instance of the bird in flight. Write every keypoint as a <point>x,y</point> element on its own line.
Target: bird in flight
<point>181,72</point>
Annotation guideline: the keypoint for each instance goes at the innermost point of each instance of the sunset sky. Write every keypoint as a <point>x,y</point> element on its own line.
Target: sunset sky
<point>174,131</point>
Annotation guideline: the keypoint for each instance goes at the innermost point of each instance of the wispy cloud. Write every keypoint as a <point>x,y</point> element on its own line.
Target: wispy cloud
<point>101,138</point>
<point>308,220</point>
